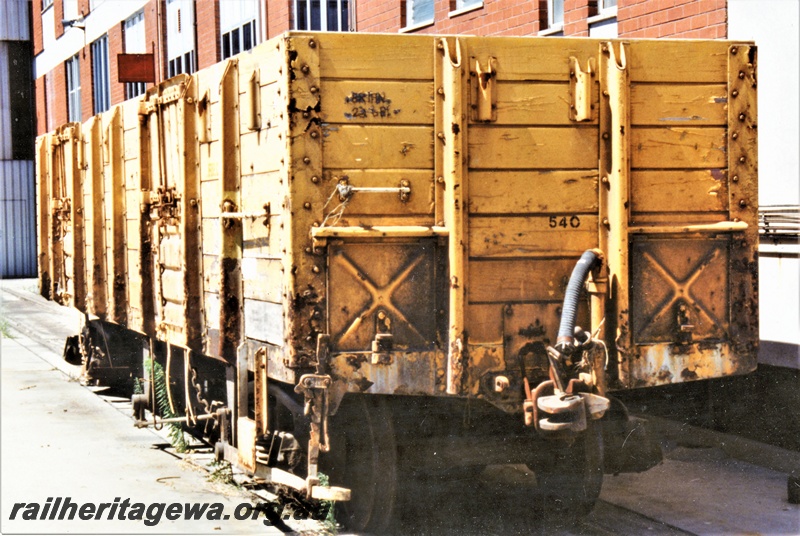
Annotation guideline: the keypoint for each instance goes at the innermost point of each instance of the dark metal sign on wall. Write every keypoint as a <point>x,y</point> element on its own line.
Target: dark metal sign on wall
<point>136,68</point>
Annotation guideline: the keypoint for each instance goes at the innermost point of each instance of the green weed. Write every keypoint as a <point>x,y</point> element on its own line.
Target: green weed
<point>5,329</point>
<point>175,434</point>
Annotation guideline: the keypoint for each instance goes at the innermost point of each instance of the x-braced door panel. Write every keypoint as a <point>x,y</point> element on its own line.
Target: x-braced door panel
<point>383,292</point>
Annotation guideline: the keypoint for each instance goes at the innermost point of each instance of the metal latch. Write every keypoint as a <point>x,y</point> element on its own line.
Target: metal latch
<point>164,203</point>
<point>485,94</point>
<point>229,214</point>
<point>346,190</point>
<point>684,326</point>
<point>580,90</point>
<point>62,209</point>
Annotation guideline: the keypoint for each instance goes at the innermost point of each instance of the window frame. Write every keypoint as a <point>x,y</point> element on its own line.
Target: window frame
<point>101,75</point>
<point>70,10</point>
<point>412,24</point>
<point>604,6</point>
<point>72,67</point>
<point>181,37</point>
<point>185,63</point>
<point>462,6</point>
<point>227,39</point>
<point>47,4</point>
<point>551,22</point>
<point>344,22</point>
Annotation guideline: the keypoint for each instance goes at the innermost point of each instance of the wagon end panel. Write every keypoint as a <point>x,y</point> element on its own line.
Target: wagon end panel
<point>532,175</point>
<point>368,265</point>
<point>693,230</point>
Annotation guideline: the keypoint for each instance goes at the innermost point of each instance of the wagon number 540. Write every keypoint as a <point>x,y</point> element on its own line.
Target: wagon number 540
<point>572,221</point>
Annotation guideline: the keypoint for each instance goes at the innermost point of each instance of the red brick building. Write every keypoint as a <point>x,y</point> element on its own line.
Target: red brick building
<point>77,42</point>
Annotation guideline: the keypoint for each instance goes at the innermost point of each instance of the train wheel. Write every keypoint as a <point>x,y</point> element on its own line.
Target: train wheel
<point>363,457</point>
<point>569,477</point>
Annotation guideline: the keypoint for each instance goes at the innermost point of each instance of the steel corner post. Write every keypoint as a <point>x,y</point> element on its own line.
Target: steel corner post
<point>614,188</point>
<point>451,139</point>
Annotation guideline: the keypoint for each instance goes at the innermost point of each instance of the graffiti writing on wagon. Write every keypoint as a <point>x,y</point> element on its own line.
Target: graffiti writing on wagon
<point>369,104</point>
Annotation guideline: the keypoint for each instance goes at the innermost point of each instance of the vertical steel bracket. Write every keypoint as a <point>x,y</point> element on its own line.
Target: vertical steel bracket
<point>314,387</point>
<point>484,96</point>
<point>580,90</point>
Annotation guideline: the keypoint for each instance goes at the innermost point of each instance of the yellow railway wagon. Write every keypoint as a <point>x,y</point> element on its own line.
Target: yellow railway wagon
<point>381,228</point>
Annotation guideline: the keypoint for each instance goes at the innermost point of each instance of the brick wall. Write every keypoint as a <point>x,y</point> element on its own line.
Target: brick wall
<point>380,16</point>
<point>704,19</point>
<point>699,19</point>
<point>576,15</point>
<point>41,106</point>
<point>58,6</point>
<point>87,98</point>
<point>207,20</point>
<point>36,16</point>
<point>279,17</point>
<point>499,17</point>
<point>59,98</point>
<point>151,36</point>
<point>84,7</point>
<point>115,46</point>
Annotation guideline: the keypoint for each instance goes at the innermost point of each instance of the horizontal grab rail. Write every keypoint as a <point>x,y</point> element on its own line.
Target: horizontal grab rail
<point>719,227</point>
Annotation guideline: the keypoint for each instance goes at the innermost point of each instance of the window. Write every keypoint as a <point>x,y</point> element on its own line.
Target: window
<point>606,5</point>
<point>555,13</point>
<point>464,4</point>
<point>135,44</point>
<point>181,64</point>
<point>604,24</point>
<point>101,89</point>
<point>238,26</point>
<point>73,88</point>
<point>418,12</point>
<point>46,4</point>
<point>310,15</point>
<point>239,39</point>
<point>180,37</point>
<point>49,97</point>
<point>71,11</point>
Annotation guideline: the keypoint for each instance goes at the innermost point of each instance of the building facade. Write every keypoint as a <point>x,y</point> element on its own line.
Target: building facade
<point>76,42</point>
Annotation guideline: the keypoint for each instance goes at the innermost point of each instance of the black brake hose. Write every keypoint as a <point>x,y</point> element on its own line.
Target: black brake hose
<point>569,310</point>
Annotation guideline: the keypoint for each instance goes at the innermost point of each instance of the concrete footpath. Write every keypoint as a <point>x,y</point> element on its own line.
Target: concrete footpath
<point>59,440</point>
